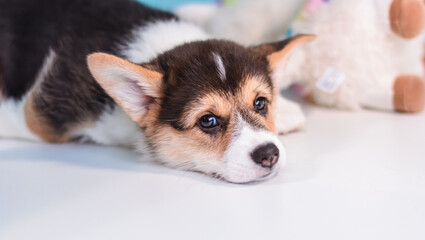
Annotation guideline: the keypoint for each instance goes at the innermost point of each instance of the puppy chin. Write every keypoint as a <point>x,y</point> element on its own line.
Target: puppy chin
<point>244,176</point>
<point>236,165</point>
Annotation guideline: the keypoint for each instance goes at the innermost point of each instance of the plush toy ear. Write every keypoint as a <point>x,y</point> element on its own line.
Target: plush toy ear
<point>276,52</point>
<point>132,86</point>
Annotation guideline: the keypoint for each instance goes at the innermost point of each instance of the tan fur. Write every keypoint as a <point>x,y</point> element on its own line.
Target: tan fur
<point>253,89</point>
<point>169,142</point>
<point>190,144</point>
<point>271,117</point>
<point>214,103</point>
<point>151,85</point>
<point>276,57</point>
<point>196,144</point>
<point>97,61</point>
<point>37,124</point>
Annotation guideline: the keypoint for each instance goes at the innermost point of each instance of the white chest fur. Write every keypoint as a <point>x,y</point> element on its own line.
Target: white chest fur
<point>155,38</point>
<point>112,128</point>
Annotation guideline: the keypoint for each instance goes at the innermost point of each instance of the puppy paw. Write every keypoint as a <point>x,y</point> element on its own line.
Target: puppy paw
<point>289,116</point>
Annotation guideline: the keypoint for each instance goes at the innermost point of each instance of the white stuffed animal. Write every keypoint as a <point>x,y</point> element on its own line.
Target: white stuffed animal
<point>368,53</point>
<point>365,55</point>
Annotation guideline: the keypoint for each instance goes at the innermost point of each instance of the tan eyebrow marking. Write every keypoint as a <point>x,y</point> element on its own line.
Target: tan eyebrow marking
<point>254,87</point>
<point>212,102</point>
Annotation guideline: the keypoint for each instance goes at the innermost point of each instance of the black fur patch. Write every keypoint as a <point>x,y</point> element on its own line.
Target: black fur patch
<point>1,78</point>
<point>72,29</point>
<point>190,71</point>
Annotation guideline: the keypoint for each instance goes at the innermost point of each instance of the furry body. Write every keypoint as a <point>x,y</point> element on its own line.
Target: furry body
<point>30,37</point>
<point>160,85</point>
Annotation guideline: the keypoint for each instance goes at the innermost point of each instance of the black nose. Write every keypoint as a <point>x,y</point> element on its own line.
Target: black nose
<point>266,155</point>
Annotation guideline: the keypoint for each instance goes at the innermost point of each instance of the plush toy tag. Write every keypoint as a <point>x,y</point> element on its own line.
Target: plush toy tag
<point>331,80</point>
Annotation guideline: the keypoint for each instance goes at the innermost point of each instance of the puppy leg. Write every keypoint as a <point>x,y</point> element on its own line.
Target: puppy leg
<point>12,115</point>
<point>12,120</point>
<point>40,124</point>
<point>289,116</point>
<point>24,119</point>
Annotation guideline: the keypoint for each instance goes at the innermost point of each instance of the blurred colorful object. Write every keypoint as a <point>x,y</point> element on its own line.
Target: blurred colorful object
<point>173,4</point>
<point>229,1</point>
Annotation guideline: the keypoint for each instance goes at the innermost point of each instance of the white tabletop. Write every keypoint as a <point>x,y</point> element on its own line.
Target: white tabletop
<point>349,176</point>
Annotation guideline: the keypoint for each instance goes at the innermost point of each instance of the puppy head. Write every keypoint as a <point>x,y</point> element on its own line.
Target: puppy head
<point>204,106</point>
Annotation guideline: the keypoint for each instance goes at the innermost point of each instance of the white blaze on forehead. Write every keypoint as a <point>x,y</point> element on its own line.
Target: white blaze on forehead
<point>220,66</point>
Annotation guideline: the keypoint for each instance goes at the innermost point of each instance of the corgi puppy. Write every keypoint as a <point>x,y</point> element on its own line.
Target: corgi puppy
<point>115,72</point>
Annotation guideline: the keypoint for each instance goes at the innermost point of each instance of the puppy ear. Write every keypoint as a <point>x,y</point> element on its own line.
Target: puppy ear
<point>278,51</point>
<point>132,86</point>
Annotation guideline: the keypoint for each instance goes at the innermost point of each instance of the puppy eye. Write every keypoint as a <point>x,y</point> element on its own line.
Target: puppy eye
<point>208,121</point>
<point>209,124</point>
<point>260,104</point>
